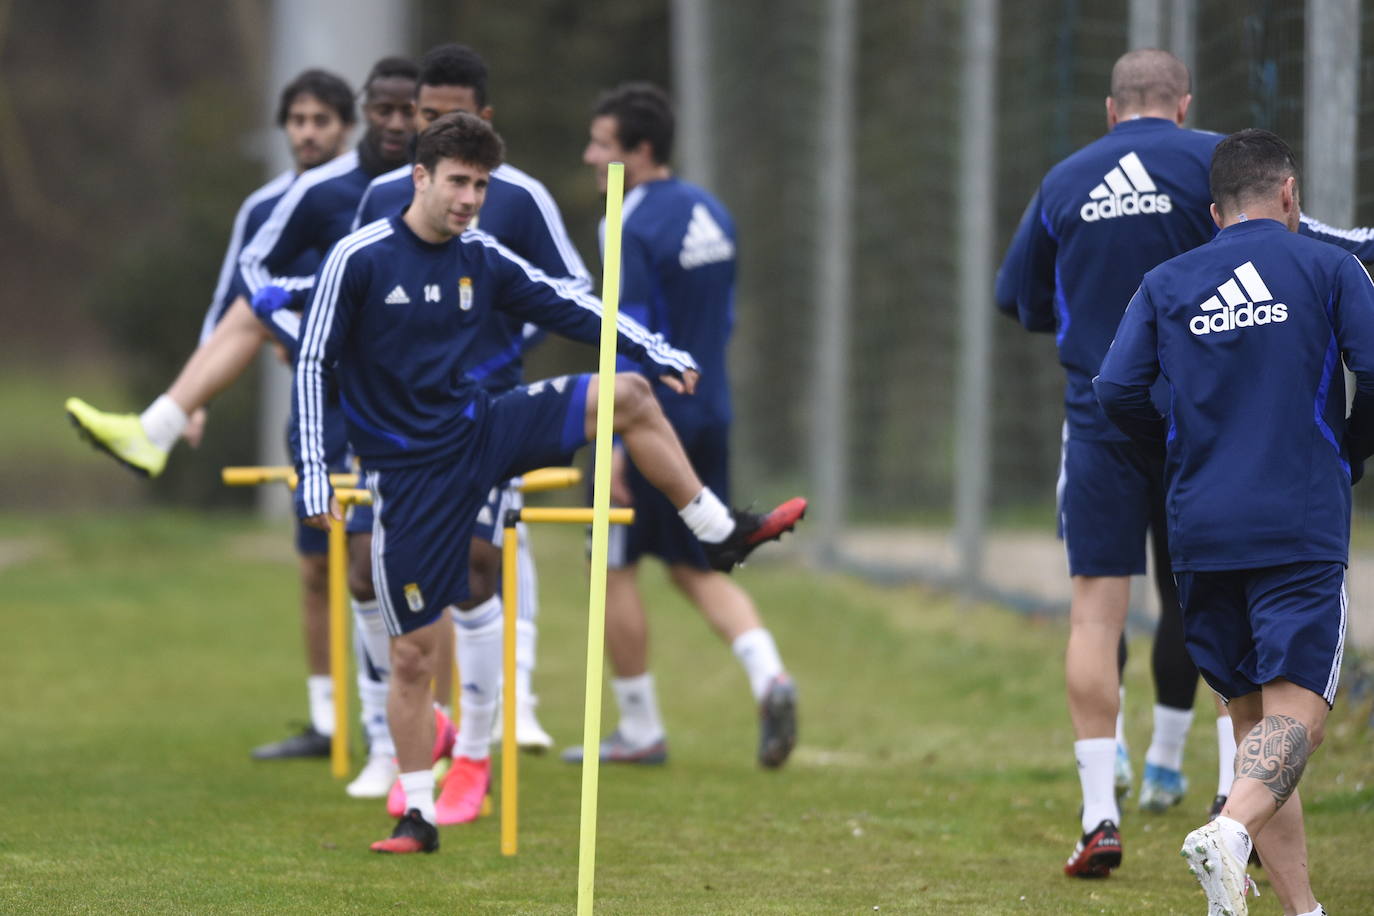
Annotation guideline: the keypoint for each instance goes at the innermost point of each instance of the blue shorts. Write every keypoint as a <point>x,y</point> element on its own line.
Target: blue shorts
<point>658,530</point>
<point>424,516</point>
<point>1107,494</point>
<point>1246,627</point>
<point>490,517</point>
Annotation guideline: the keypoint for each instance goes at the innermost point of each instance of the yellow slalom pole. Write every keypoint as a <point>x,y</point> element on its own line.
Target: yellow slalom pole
<point>601,505</point>
<point>510,755</point>
<point>338,645</point>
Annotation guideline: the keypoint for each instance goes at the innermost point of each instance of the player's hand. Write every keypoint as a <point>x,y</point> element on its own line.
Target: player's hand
<point>687,384</point>
<point>325,520</point>
<point>195,427</point>
<point>620,487</point>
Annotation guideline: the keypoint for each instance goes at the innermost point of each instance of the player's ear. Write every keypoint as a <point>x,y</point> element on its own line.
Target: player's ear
<point>418,172</point>
<point>645,149</point>
<point>486,112</point>
<point>1183,104</point>
<point>1216,215</point>
<point>1111,113</point>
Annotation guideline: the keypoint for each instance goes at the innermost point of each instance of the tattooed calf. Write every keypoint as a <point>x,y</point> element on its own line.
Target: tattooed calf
<point>1275,752</point>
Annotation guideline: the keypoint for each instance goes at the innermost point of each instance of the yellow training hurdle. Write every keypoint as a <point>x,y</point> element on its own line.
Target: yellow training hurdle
<point>348,494</point>
<point>510,757</point>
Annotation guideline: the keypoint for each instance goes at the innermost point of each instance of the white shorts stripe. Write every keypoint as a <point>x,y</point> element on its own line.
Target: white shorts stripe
<point>379,580</point>
<point>1333,679</point>
<point>1062,483</point>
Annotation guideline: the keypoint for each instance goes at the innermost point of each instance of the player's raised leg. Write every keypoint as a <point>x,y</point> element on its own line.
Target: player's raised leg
<point>727,536</point>
<point>141,441</point>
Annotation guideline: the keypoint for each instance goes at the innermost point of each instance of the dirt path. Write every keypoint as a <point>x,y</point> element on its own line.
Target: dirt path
<point>1029,571</point>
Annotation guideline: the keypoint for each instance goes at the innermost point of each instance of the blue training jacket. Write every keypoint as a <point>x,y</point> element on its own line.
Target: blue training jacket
<point>1123,204</point>
<point>678,258</point>
<point>315,212</point>
<point>521,214</point>
<point>1248,332</point>
<point>394,321</point>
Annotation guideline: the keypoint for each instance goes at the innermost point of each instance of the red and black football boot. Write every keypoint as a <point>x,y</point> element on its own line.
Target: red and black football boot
<point>1097,853</point>
<point>752,530</point>
<point>412,834</point>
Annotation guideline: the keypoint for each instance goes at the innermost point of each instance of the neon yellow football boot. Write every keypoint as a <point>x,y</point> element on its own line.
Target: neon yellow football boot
<point>121,435</point>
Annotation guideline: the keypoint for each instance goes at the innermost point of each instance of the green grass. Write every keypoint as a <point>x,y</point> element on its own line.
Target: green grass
<point>146,652</point>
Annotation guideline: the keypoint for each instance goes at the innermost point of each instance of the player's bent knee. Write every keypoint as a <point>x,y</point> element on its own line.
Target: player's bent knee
<point>634,399</point>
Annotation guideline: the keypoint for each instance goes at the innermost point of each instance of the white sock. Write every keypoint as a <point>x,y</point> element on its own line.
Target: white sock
<point>477,646</point>
<point>370,637</point>
<point>371,634</point>
<point>526,638</point>
<point>1319,911</point>
<point>1096,763</point>
<point>320,688</point>
<point>1226,755</point>
<point>163,422</point>
<point>640,723</point>
<point>707,517</point>
<point>758,654</point>
<point>1235,836</point>
<point>419,789</point>
<point>1121,720</point>
<point>1171,733</point>
<point>372,698</point>
<point>477,719</point>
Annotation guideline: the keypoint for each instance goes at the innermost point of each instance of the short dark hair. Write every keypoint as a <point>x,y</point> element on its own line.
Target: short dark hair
<point>462,136</point>
<point>331,90</point>
<point>388,67</point>
<point>1248,165</point>
<point>455,65</point>
<point>642,112</point>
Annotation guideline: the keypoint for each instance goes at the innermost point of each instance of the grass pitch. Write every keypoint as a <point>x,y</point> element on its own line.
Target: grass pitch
<point>145,653</point>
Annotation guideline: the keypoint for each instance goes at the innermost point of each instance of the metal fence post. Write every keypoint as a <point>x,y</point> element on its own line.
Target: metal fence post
<point>977,212</point>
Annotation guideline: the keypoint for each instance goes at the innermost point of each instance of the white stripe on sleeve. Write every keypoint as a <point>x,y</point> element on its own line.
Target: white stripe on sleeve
<point>255,272</point>
<point>310,388</point>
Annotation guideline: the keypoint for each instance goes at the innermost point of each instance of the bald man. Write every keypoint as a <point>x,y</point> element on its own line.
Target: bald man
<point>1102,218</point>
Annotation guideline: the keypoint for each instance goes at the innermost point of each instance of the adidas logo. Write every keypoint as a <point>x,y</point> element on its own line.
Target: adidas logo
<point>705,242</point>
<point>1125,191</point>
<point>397,296</point>
<point>1231,308</point>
